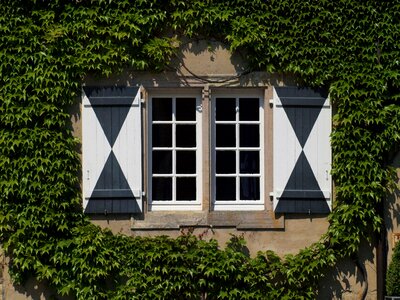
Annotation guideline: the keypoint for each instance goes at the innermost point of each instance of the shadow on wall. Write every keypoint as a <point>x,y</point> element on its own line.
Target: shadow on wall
<point>211,62</point>
<point>346,280</point>
<point>32,290</point>
<point>392,215</point>
<point>208,57</point>
<point>392,207</point>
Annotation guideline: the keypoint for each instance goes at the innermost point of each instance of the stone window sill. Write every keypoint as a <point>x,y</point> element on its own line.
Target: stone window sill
<point>241,220</point>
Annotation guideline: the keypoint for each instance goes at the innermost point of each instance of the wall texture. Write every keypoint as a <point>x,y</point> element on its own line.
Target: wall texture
<point>209,65</point>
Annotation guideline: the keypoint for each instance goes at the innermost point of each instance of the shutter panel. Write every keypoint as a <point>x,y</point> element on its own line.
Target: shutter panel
<point>302,152</point>
<point>112,150</point>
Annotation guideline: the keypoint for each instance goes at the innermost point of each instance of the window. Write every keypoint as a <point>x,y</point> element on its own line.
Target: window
<point>237,153</point>
<point>226,152</point>
<point>174,152</point>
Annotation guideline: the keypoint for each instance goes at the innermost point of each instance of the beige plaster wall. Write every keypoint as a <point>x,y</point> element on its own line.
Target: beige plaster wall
<point>345,281</point>
<point>32,290</point>
<point>2,274</point>
<point>392,212</point>
<point>297,232</point>
<point>198,63</point>
<point>210,64</point>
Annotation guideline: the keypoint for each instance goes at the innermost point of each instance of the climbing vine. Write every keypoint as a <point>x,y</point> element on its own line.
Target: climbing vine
<point>48,47</point>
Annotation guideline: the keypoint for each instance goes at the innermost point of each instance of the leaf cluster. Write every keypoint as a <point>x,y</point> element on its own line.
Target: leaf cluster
<point>48,47</point>
<point>393,273</point>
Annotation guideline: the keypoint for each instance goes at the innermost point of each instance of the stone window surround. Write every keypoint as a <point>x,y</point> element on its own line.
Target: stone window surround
<point>264,219</point>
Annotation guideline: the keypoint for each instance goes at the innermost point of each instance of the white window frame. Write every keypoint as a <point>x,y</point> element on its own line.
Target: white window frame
<point>236,204</point>
<point>176,205</point>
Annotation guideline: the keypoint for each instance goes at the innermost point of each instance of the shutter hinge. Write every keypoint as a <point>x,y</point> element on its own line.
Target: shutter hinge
<point>141,100</point>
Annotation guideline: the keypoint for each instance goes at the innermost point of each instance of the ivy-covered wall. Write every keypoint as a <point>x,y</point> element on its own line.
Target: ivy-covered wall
<point>47,48</point>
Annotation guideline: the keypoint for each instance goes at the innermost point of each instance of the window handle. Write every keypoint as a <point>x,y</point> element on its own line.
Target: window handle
<point>199,108</point>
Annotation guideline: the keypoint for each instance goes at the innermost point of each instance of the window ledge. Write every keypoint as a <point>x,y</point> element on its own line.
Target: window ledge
<point>240,220</point>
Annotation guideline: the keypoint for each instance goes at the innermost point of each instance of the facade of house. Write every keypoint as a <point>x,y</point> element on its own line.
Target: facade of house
<point>214,149</point>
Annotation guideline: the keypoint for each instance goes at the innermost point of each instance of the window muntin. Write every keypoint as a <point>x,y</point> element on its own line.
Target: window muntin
<point>174,153</point>
<point>237,153</point>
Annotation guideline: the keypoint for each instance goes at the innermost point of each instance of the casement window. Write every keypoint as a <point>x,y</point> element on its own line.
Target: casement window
<point>175,160</point>
<point>224,154</point>
<point>237,152</point>
<point>174,152</point>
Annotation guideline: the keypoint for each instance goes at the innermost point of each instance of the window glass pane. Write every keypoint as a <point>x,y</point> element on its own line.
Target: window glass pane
<point>225,162</point>
<point>249,109</point>
<point>186,188</point>
<point>162,162</point>
<point>162,135</point>
<point>249,162</point>
<point>225,109</point>
<point>249,188</point>
<point>186,135</point>
<point>185,162</point>
<point>249,136</point>
<point>225,135</point>
<point>162,109</point>
<point>225,188</point>
<point>186,109</point>
<point>162,188</point>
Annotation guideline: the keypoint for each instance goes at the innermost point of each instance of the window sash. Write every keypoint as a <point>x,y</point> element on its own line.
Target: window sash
<point>237,203</point>
<point>173,203</point>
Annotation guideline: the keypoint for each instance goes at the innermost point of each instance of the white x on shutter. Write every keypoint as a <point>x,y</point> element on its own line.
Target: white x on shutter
<point>302,152</point>
<point>112,150</point>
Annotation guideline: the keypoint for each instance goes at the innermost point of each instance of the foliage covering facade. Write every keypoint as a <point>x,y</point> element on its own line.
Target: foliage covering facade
<point>393,273</point>
<point>47,48</point>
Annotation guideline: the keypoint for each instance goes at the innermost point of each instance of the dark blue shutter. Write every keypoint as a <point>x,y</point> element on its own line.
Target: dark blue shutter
<point>302,154</point>
<point>112,150</point>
